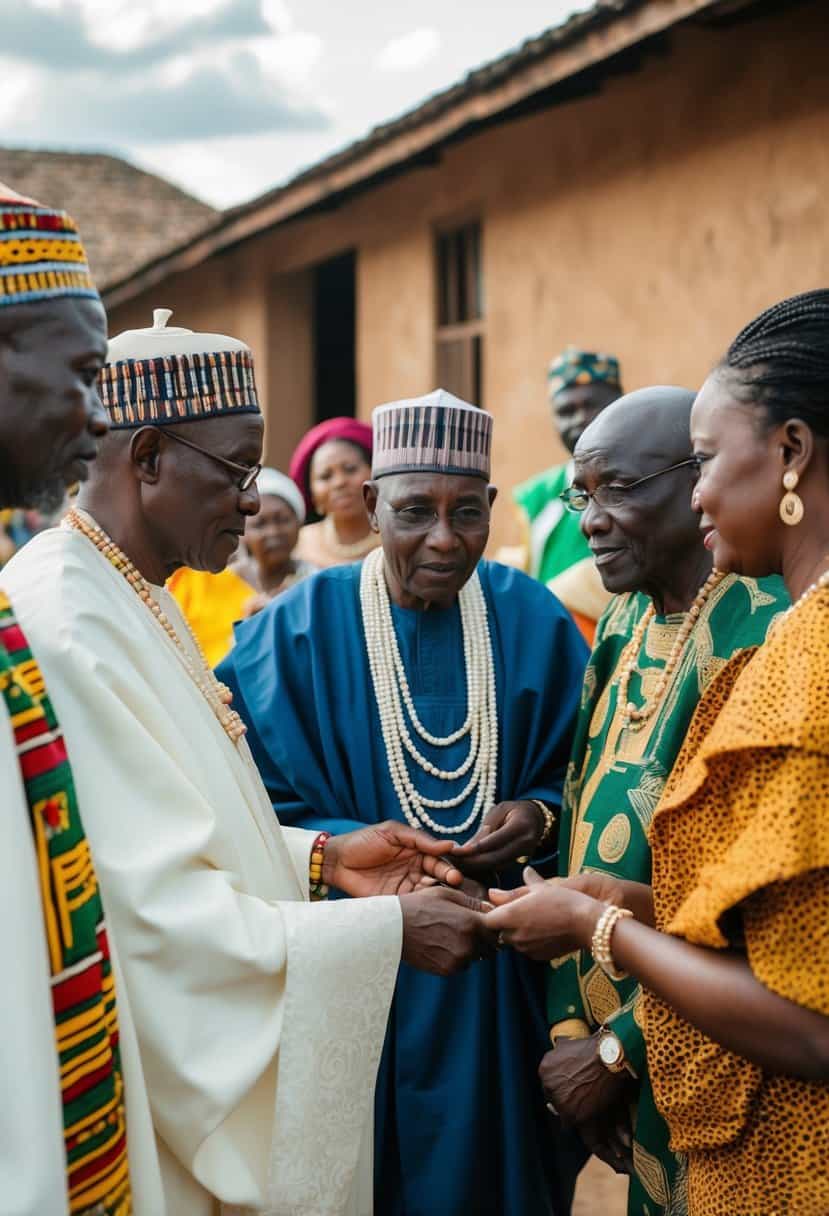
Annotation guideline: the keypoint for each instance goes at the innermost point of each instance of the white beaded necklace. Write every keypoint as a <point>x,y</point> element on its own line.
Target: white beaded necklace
<point>394,702</point>
<point>217,695</point>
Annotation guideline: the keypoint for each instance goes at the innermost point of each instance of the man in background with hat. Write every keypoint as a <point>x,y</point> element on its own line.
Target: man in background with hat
<point>580,385</point>
<point>62,1117</point>
<point>440,689</point>
<point>251,1020</point>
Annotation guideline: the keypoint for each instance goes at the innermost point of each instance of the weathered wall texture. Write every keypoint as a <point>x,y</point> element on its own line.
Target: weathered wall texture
<point>651,220</point>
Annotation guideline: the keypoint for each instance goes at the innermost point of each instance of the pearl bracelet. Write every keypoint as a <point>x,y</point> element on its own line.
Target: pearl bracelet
<point>602,934</point>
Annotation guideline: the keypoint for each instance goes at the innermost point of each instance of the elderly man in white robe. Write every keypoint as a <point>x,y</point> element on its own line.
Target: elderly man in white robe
<point>252,1011</point>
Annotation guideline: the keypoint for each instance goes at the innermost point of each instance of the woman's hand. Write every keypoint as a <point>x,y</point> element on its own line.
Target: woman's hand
<point>544,920</point>
<point>509,830</point>
<point>636,896</point>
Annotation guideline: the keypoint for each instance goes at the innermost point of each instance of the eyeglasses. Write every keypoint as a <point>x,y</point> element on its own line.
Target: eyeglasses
<point>418,518</point>
<point>611,496</point>
<point>244,474</point>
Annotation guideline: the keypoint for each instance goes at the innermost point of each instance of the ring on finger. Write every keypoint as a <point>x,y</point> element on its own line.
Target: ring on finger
<point>551,1109</point>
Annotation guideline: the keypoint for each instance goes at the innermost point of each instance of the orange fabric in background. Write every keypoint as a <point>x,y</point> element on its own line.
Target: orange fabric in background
<point>212,603</point>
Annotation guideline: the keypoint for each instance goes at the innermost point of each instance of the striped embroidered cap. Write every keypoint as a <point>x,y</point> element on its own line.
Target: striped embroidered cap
<point>434,434</point>
<point>41,255</point>
<point>165,375</point>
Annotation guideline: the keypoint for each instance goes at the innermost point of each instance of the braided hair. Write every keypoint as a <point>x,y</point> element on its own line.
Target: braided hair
<point>780,361</point>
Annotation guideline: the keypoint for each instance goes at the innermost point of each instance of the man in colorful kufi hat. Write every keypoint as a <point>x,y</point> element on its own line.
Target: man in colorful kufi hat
<point>580,385</point>
<point>428,684</point>
<point>236,993</point>
<point>60,1066</point>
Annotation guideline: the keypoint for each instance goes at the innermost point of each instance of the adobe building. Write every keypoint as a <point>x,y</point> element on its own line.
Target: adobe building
<point>642,179</point>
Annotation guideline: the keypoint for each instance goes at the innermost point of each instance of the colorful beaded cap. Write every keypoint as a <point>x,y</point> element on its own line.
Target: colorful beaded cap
<point>178,388</point>
<point>41,255</point>
<point>574,366</point>
<point>433,434</point>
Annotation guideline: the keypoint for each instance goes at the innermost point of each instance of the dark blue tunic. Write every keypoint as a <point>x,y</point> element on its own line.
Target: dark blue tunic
<point>461,1128</point>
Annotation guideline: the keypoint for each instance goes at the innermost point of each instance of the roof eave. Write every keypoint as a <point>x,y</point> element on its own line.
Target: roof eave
<point>340,173</point>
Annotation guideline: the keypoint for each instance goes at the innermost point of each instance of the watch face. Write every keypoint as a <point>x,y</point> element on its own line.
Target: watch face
<point>610,1050</point>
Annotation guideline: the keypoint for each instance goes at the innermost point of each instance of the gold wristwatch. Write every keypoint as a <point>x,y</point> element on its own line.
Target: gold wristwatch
<point>610,1051</point>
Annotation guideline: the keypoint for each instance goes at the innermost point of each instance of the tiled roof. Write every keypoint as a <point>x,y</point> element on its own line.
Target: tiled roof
<point>126,217</point>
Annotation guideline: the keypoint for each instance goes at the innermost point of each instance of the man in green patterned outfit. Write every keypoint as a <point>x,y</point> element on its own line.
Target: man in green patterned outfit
<point>671,628</point>
<point>580,385</point>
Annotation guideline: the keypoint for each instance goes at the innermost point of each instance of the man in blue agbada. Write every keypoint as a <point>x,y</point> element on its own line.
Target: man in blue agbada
<point>429,685</point>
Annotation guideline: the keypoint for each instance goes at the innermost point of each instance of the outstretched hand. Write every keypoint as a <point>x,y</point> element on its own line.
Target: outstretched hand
<point>544,920</point>
<point>388,858</point>
<point>509,830</point>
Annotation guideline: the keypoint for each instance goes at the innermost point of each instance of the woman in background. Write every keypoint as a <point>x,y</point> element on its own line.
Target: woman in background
<point>270,540</point>
<point>330,465</point>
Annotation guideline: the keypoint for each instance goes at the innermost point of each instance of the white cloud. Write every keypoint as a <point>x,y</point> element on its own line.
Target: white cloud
<point>289,59</point>
<point>18,80</point>
<point>410,51</point>
<point>278,16</point>
<point>124,25</point>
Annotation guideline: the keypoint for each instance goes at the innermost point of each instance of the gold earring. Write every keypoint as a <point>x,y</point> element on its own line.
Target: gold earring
<point>791,504</point>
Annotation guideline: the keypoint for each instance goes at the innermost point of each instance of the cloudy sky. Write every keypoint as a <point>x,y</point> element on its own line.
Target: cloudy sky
<point>231,97</point>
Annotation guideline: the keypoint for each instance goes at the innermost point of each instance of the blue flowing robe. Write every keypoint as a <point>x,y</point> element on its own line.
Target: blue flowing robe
<point>460,1124</point>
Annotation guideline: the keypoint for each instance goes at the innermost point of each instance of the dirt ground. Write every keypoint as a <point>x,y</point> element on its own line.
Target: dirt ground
<point>600,1192</point>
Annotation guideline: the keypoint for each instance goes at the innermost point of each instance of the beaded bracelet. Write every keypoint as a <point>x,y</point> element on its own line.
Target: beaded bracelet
<point>549,821</point>
<point>600,945</point>
<point>318,889</point>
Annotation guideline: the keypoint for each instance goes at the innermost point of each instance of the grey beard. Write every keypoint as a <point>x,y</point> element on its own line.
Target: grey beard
<point>44,495</point>
<point>47,497</point>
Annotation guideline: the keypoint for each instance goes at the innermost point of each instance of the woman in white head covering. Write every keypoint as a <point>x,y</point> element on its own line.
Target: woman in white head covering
<point>271,537</point>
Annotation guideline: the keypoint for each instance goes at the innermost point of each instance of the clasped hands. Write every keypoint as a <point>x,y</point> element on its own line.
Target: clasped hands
<point>445,924</point>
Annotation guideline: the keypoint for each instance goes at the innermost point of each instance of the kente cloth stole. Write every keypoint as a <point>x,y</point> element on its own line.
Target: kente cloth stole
<point>82,982</point>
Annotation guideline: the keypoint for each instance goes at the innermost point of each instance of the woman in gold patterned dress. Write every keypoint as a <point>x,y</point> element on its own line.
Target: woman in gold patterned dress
<point>730,943</point>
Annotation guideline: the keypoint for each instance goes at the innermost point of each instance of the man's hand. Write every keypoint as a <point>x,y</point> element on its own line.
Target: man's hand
<point>510,830</point>
<point>576,1082</point>
<point>444,930</point>
<point>387,859</point>
<point>586,1095</point>
<point>610,1137</point>
<point>544,920</point>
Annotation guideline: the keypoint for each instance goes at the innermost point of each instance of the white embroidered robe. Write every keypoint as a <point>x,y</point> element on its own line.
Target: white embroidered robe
<point>252,1021</point>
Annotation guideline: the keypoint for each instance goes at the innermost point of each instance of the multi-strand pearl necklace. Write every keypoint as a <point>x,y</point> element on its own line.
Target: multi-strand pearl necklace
<point>394,702</point>
<point>634,717</point>
<point>217,695</point>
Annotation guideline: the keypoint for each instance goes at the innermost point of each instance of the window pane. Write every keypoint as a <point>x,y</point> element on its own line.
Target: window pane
<point>460,288</point>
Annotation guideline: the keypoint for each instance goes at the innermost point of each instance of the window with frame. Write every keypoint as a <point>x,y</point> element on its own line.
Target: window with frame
<point>459,335</point>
